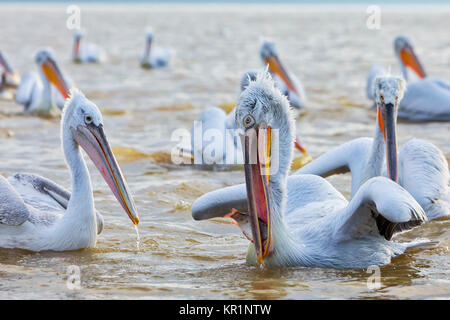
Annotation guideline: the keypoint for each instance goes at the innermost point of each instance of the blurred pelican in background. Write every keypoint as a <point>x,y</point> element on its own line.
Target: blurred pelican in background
<point>214,136</point>
<point>154,57</point>
<point>426,98</point>
<point>288,83</point>
<point>85,52</point>
<point>9,79</point>
<point>37,214</point>
<point>302,220</point>
<point>36,91</point>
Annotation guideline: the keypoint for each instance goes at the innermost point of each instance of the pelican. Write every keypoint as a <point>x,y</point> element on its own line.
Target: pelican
<point>35,92</point>
<point>85,52</point>
<point>426,98</point>
<point>154,57</point>
<point>9,78</point>
<point>288,83</point>
<point>214,137</point>
<point>420,167</point>
<point>302,220</point>
<point>36,214</point>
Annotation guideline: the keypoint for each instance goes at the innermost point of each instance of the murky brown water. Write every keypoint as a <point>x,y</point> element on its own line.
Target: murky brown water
<point>330,50</point>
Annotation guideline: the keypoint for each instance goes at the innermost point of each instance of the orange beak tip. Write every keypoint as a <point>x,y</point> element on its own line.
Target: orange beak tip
<point>260,260</point>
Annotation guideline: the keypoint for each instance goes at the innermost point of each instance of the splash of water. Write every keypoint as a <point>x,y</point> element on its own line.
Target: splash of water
<point>138,238</point>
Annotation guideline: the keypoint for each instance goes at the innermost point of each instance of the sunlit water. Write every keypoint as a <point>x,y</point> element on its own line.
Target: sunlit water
<point>175,257</point>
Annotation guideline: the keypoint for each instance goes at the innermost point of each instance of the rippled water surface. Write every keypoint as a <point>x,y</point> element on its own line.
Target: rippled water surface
<point>331,51</point>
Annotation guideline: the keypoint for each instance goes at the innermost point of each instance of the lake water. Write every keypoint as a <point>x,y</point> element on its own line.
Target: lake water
<point>329,48</point>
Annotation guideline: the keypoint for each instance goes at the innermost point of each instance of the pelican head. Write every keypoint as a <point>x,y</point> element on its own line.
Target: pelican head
<point>407,57</point>
<point>149,34</point>
<point>388,92</point>
<point>47,63</point>
<point>270,58</point>
<point>82,125</point>
<point>77,36</point>
<point>264,115</point>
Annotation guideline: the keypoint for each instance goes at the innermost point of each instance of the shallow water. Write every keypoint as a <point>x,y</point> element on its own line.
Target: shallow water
<point>331,51</point>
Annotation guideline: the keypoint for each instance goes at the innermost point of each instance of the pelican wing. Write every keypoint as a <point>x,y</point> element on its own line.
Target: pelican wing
<point>40,193</point>
<point>380,206</point>
<point>43,194</point>
<point>220,202</point>
<point>423,171</point>
<point>350,156</point>
<point>27,89</point>
<point>13,210</point>
<point>302,190</point>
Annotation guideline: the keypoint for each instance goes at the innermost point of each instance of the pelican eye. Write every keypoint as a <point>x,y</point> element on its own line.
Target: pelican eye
<point>249,121</point>
<point>382,97</point>
<point>88,119</point>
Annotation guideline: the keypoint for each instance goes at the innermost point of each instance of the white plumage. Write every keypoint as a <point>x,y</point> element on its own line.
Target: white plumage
<point>155,57</point>
<point>36,214</point>
<point>36,91</point>
<point>426,98</point>
<point>422,167</point>
<point>311,223</point>
<point>86,52</point>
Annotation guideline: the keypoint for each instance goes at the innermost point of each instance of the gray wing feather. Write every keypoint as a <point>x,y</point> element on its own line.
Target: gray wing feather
<point>47,187</point>
<point>13,210</point>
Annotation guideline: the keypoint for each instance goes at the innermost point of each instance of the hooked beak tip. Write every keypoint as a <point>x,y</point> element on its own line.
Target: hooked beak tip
<point>260,259</point>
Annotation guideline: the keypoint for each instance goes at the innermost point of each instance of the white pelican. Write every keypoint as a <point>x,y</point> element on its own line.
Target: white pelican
<point>217,131</point>
<point>426,98</point>
<point>85,52</point>
<point>35,92</point>
<point>37,215</point>
<point>420,167</point>
<point>9,79</point>
<point>154,57</point>
<point>302,220</point>
<point>288,83</point>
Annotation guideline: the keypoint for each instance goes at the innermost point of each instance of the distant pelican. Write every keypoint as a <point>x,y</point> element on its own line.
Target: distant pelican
<point>420,167</point>
<point>36,214</point>
<point>35,92</point>
<point>426,98</point>
<point>302,220</point>
<point>213,136</point>
<point>154,57</point>
<point>8,79</point>
<point>84,52</point>
<point>288,83</point>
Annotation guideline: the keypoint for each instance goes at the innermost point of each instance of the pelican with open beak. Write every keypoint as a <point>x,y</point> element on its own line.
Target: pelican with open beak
<point>36,214</point>
<point>302,220</point>
<point>36,92</point>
